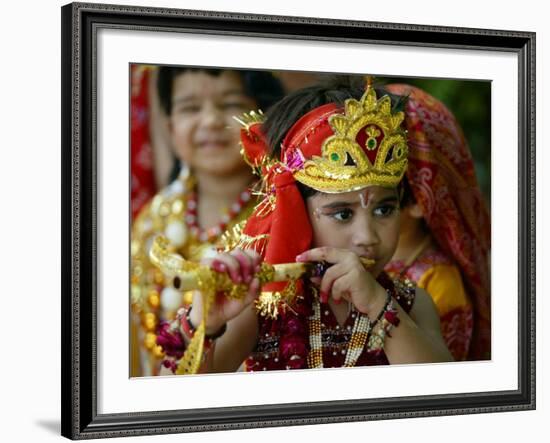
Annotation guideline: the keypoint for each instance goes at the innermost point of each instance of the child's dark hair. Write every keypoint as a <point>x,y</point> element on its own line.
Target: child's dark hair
<point>262,86</point>
<point>282,116</point>
<point>406,196</point>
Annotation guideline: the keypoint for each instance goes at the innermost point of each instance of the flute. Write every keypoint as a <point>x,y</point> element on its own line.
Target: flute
<point>186,275</point>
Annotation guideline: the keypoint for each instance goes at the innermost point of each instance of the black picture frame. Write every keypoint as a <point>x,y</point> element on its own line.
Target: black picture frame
<point>79,216</point>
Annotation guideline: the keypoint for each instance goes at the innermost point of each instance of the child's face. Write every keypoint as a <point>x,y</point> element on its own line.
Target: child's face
<point>365,222</point>
<point>204,134</point>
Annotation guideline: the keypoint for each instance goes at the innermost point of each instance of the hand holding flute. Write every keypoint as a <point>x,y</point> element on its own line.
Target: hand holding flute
<point>226,284</point>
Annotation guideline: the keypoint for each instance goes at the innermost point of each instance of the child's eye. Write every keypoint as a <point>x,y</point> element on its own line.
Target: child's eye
<point>384,210</point>
<point>342,215</point>
<point>187,109</point>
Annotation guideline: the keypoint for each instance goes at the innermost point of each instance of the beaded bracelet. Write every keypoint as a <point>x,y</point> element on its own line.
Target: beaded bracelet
<point>384,309</point>
<point>386,320</point>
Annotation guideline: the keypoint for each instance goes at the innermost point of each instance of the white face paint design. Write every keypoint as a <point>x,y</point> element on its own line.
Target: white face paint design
<point>365,198</point>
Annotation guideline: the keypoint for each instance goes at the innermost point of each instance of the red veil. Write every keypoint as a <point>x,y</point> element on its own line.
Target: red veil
<point>442,179</point>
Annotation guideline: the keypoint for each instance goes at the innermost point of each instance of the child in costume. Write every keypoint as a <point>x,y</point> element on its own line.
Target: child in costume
<point>331,195</point>
<point>445,226</point>
<point>210,193</point>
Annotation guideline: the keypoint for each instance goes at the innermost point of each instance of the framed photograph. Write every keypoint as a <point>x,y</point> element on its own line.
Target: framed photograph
<point>111,54</point>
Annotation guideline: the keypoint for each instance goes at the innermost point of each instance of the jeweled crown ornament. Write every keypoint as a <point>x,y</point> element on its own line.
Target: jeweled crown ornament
<point>368,148</point>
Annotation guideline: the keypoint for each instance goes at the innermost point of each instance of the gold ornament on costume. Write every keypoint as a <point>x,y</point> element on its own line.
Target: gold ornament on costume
<point>248,119</point>
<point>195,276</point>
<point>269,304</point>
<point>235,238</point>
<point>368,148</point>
<point>191,275</point>
<point>167,213</point>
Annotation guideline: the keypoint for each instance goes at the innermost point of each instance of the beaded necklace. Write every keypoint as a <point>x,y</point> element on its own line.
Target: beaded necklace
<point>191,216</point>
<point>299,340</point>
<point>364,332</point>
<point>359,334</point>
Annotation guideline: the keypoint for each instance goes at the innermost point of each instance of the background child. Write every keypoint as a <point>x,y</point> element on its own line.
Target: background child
<point>445,231</point>
<point>209,194</point>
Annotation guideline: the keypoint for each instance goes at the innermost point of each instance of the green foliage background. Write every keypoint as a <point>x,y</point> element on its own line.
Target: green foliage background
<point>470,102</point>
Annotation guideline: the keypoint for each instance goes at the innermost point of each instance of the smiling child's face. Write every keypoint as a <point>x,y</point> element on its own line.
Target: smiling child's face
<point>365,222</point>
<point>204,134</point>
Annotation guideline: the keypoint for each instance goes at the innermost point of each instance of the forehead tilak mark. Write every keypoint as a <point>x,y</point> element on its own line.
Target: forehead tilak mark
<point>365,197</point>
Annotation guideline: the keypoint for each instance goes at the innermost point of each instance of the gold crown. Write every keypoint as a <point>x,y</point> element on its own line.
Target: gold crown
<point>368,148</point>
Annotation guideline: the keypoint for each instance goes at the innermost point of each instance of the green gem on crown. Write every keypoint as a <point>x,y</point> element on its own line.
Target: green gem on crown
<point>334,157</point>
<point>371,143</point>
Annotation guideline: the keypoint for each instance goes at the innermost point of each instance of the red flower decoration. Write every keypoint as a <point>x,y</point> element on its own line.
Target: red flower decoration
<point>170,340</point>
<point>170,364</point>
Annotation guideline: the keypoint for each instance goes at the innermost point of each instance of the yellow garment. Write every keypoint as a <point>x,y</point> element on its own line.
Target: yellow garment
<point>444,283</point>
<point>165,210</point>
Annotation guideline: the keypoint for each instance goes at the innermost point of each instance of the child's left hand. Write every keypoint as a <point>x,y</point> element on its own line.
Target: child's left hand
<point>347,279</point>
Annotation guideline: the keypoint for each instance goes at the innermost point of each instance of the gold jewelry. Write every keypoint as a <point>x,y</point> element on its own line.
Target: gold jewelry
<point>356,345</point>
<point>368,128</point>
<point>386,321</point>
<point>187,275</point>
<point>153,296</point>
<point>248,119</point>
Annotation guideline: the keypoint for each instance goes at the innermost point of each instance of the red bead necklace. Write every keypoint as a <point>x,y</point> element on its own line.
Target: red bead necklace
<point>192,219</point>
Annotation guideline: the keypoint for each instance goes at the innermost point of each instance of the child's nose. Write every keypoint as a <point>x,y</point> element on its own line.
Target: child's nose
<point>365,234</point>
<point>211,115</point>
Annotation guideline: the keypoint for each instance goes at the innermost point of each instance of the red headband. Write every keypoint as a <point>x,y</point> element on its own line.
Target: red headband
<point>279,228</point>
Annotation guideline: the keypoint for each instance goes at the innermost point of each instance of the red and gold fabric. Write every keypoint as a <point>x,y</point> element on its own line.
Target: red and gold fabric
<point>331,149</point>
<point>285,334</point>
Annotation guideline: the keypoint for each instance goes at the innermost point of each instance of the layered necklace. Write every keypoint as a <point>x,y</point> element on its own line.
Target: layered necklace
<point>364,334</point>
<point>359,334</point>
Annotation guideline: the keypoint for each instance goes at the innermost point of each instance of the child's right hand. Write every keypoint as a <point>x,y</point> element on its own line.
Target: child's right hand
<point>241,266</point>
